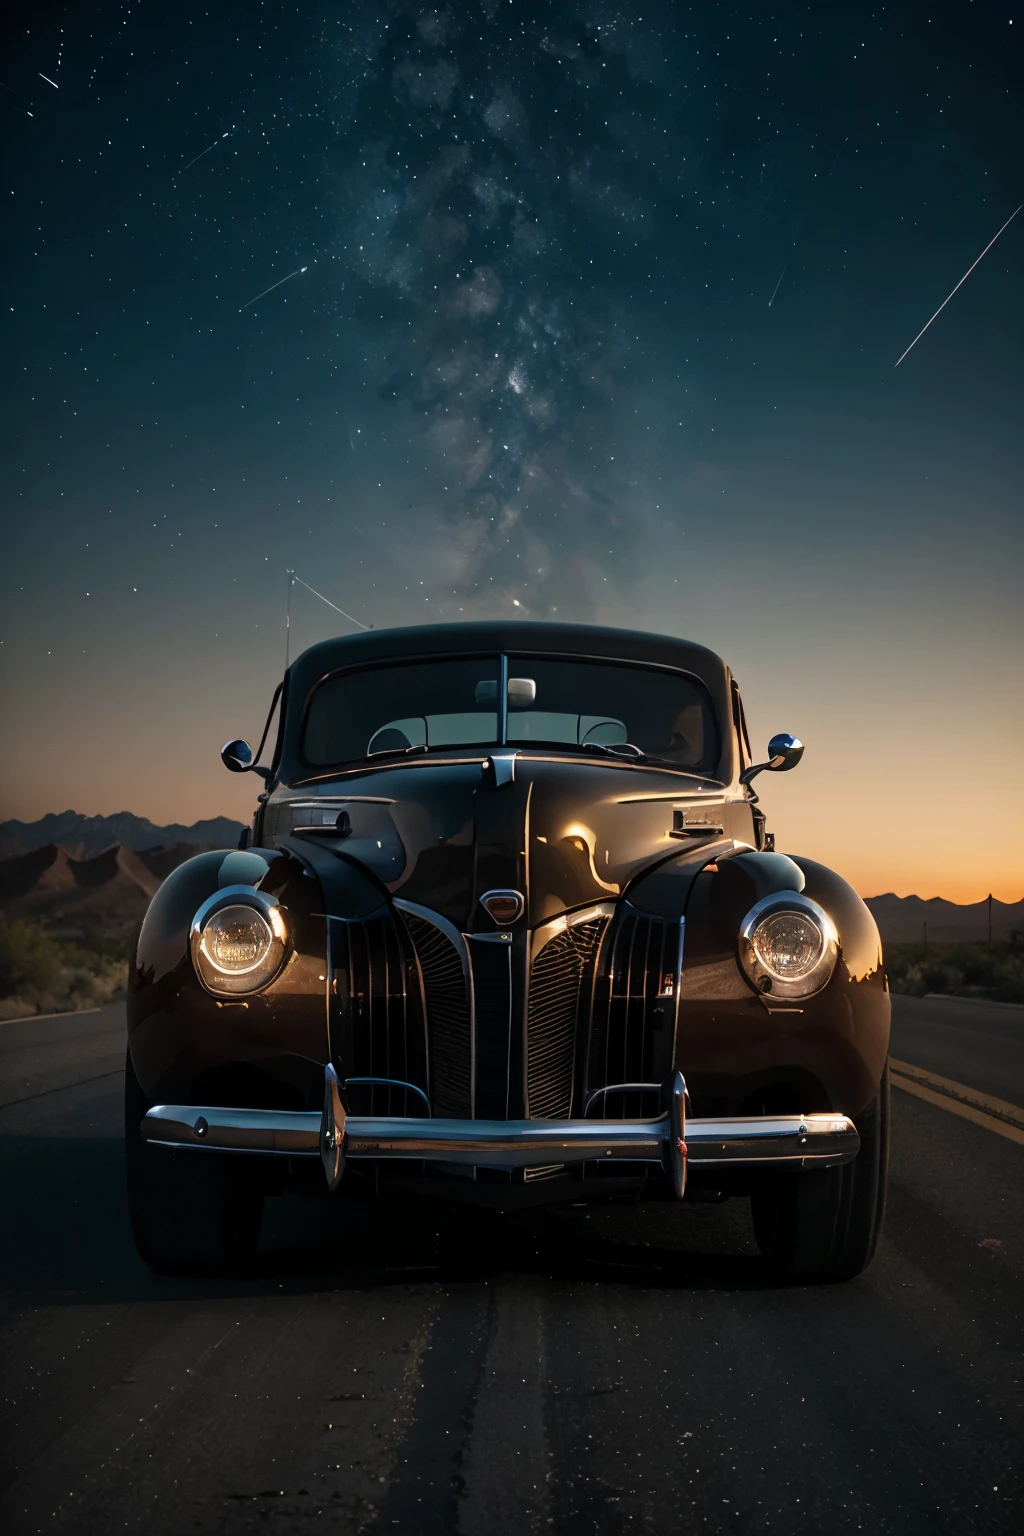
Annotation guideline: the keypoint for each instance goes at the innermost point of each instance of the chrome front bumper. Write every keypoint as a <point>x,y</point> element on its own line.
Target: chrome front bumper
<point>671,1141</point>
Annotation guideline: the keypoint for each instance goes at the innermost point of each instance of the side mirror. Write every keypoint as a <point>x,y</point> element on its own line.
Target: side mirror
<point>237,757</point>
<point>784,752</point>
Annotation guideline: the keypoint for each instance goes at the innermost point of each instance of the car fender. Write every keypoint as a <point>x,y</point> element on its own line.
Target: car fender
<point>187,1045</point>
<point>824,1052</point>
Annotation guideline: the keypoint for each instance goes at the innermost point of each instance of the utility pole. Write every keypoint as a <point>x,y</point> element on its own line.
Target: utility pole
<point>990,919</point>
<point>288,617</point>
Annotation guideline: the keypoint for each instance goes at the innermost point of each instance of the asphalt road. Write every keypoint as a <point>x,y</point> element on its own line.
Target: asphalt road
<point>981,1045</point>
<point>387,1369</point>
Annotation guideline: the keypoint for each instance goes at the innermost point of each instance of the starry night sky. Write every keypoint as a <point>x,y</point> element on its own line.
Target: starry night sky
<point>582,311</point>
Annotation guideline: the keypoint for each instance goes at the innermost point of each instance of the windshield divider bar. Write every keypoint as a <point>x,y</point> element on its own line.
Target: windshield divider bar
<point>503,701</point>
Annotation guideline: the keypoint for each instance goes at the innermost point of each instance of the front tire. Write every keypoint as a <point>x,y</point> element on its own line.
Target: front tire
<point>825,1224</point>
<point>192,1213</point>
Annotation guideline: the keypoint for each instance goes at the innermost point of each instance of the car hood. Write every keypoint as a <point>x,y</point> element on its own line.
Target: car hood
<point>564,832</point>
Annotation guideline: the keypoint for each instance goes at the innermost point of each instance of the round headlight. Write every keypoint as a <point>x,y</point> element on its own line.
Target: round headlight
<point>238,941</point>
<point>788,945</point>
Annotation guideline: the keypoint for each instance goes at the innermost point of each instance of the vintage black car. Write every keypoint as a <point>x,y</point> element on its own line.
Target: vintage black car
<point>508,929</point>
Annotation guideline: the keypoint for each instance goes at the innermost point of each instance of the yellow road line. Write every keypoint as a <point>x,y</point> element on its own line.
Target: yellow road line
<point>957,1107</point>
<point>1001,1108</point>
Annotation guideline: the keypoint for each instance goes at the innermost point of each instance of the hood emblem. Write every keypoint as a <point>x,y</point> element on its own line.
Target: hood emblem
<point>503,906</point>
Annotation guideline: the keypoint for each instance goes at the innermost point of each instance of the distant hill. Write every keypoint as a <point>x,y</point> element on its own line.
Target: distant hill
<point>84,836</point>
<point>901,919</point>
<point>107,894</point>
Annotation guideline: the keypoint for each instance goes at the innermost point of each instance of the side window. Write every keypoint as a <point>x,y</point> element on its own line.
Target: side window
<point>739,720</point>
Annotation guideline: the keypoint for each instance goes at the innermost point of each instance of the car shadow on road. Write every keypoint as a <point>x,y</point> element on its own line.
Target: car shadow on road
<point>70,1242</point>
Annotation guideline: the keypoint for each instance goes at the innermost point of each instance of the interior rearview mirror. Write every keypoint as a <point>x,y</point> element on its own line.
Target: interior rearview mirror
<point>522,691</point>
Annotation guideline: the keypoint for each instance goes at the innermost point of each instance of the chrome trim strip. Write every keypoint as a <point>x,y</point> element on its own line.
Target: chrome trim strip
<point>680,796</point>
<point>390,1082</point>
<point>822,1140</point>
<point>679,991</point>
<point>618,1088</point>
<point>427,760</point>
<point>331,800</point>
<point>448,929</point>
<point>545,932</point>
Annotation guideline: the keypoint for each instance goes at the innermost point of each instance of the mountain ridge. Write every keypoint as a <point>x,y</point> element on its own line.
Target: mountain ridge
<point>85,836</point>
<point>106,894</point>
<point>916,919</point>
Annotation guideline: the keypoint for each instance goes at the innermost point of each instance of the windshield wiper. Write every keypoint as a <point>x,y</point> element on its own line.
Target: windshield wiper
<point>627,751</point>
<point>397,751</point>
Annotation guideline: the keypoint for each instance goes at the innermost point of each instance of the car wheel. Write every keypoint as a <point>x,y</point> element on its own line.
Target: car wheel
<point>826,1224</point>
<point>192,1213</point>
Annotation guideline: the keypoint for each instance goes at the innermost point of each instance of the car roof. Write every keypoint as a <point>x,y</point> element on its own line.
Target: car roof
<point>523,635</point>
<point>517,635</point>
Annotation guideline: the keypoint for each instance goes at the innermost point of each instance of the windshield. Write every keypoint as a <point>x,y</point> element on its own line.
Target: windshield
<point>666,715</point>
<point>415,704</point>
<point>588,706</point>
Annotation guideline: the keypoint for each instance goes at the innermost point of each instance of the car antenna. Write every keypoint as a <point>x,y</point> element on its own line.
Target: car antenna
<point>292,579</point>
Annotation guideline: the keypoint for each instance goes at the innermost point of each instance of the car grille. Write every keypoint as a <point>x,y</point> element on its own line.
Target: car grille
<point>632,1035</point>
<point>556,985</point>
<point>601,1010</point>
<point>377,1023</point>
<point>447,1004</point>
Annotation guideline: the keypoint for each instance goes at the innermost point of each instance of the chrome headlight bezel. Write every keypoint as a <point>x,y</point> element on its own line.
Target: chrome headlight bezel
<point>768,982</point>
<point>253,978</point>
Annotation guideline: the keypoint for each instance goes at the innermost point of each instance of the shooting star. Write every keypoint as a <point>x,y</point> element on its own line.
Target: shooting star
<point>778,285</point>
<point>48,80</point>
<point>838,153</point>
<point>205,151</point>
<point>21,98</point>
<point>963,280</point>
<point>263,296</point>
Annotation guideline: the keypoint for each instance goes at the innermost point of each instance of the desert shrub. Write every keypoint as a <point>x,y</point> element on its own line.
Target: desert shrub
<point>966,970</point>
<point>29,960</point>
<point>41,974</point>
<point>1008,978</point>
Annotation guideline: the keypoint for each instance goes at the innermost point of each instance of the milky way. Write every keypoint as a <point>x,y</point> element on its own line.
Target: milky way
<point>492,174</point>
